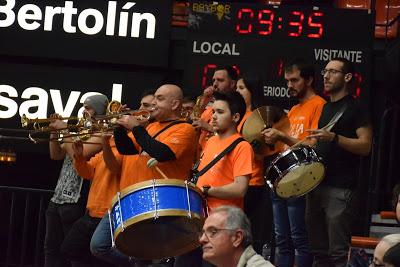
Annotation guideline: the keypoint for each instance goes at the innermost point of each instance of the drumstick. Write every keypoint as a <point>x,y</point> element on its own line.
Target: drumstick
<point>152,163</point>
<point>304,139</point>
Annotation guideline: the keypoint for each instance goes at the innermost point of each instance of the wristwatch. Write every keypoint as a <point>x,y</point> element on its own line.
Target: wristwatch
<point>205,190</point>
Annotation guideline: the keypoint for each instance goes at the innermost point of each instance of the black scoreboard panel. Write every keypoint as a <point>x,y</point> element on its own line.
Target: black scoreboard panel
<point>39,90</point>
<point>262,38</point>
<point>97,31</point>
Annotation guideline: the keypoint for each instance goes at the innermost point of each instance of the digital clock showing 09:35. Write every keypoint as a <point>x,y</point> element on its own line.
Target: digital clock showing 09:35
<point>266,21</point>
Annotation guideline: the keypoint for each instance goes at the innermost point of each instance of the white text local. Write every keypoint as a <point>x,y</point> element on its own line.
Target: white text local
<point>215,48</point>
<point>30,17</point>
<point>35,105</point>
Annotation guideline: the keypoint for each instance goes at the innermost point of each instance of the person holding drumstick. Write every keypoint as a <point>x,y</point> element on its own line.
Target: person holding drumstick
<point>168,139</point>
<point>289,214</point>
<point>331,207</point>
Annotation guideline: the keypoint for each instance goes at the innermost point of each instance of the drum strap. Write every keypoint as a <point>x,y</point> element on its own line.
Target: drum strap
<point>168,126</point>
<point>197,174</point>
<point>335,118</point>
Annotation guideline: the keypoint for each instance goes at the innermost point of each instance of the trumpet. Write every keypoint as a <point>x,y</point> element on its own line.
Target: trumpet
<point>115,111</point>
<point>82,125</point>
<point>37,123</point>
<point>86,126</point>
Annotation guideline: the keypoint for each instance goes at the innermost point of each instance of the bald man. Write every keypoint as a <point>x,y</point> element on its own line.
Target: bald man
<point>169,140</point>
<point>383,246</point>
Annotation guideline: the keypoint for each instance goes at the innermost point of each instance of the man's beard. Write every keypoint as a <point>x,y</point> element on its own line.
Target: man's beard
<point>299,94</point>
<point>335,88</point>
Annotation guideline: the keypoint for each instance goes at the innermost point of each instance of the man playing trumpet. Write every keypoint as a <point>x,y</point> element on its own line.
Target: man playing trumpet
<point>69,199</point>
<point>224,81</point>
<point>168,139</point>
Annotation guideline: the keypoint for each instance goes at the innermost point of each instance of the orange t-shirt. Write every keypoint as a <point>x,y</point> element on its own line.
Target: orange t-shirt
<point>305,116</point>
<point>104,184</point>
<point>236,163</point>
<point>204,135</point>
<point>180,138</point>
<point>257,176</point>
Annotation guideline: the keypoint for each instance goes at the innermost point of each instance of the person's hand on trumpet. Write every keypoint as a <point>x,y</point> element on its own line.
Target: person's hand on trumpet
<point>105,138</point>
<point>128,122</point>
<point>202,125</point>
<point>77,147</point>
<point>208,92</point>
<point>56,123</point>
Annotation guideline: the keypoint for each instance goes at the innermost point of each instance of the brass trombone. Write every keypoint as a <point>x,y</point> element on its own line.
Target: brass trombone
<point>115,111</point>
<point>86,127</point>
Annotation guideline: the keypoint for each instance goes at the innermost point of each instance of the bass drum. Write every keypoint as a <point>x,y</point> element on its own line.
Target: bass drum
<point>157,219</point>
<point>295,172</point>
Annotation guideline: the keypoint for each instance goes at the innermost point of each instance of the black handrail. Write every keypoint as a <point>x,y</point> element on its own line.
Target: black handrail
<point>20,250</point>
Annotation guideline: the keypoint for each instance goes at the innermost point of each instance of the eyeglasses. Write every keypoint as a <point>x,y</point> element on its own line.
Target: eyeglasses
<point>212,232</point>
<point>330,71</point>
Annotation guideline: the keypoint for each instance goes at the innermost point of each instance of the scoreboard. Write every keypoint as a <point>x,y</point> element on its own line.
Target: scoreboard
<point>261,38</point>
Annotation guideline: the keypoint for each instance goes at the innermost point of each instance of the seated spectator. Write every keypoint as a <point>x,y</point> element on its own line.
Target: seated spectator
<point>392,256</point>
<point>226,239</point>
<point>383,246</point>
<point>396,201</point>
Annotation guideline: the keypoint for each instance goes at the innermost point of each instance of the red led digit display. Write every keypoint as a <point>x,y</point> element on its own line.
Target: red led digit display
<point>208,72</point>
<point>248,14</point>
<point>267,22</point>
<point>358,81</point>
<point>207,69</point>
<point>312,24</point>
<point>296,24</point>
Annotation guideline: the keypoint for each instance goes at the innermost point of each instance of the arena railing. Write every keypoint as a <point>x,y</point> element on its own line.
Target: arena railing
<point>23,225</point>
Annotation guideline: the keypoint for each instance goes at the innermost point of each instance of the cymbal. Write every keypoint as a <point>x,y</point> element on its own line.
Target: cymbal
<point>261,118</point>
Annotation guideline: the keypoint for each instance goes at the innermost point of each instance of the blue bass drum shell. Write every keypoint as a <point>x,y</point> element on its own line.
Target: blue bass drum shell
<point>155,219</point>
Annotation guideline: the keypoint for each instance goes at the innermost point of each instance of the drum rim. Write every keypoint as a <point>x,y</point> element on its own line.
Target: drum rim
<point>290,149</point>
<point>158,182</point>
<point>294,166</point>
<point>150,215</point>
<point>286,152</point>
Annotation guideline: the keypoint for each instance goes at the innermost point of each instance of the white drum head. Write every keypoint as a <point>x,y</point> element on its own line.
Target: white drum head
<point>300,180</point>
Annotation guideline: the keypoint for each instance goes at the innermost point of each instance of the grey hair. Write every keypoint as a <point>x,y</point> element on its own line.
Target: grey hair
<point>391,239</point>
<point>236,219</point>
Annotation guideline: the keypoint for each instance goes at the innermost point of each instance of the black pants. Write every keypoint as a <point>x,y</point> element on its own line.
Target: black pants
<point>258,208</point>
<point>329,215</point>
<point>76,245</point>
<point>59,220</point>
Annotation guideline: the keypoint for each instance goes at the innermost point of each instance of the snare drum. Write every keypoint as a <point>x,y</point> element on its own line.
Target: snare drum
<point>295,172</point>
<point>157,219</point>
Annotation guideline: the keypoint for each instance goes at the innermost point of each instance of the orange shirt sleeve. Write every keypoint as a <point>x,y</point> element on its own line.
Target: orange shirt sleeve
<point>84,168</point>
<point>180,139</point>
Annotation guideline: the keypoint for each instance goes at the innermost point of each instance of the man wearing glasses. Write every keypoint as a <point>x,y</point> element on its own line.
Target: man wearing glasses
<point>331,206</point>
<point>226,239</point>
